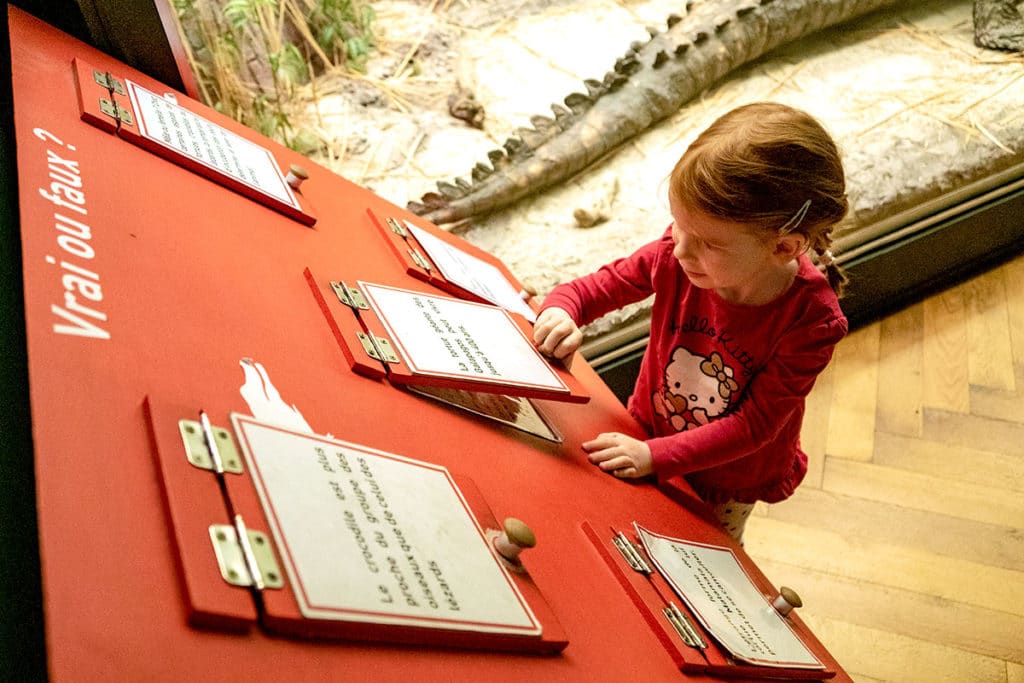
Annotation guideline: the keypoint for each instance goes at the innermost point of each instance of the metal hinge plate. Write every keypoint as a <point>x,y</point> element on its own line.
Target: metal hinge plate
<point>420,260</point>
<point>397,227</point>
<point>108,82</point>
<point>231,558</point>
<point>199,455</point>
<point>350,296</point>
<point>377,348</point>
<point>116,111</point>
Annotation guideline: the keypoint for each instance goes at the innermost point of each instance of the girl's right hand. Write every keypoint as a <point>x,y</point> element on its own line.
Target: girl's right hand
<point>555,334</point>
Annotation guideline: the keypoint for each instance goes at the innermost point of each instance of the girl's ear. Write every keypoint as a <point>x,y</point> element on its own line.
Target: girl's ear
<point>790,246</point>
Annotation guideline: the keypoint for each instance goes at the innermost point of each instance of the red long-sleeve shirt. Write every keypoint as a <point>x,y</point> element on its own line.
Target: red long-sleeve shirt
<point>721,386</point>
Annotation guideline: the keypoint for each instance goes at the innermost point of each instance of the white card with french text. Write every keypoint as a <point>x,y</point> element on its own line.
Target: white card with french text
<point>716,588</point>
<point>175,127</point>
<point>359,545</point>
<point>457,339</point>
<point>471,273</point>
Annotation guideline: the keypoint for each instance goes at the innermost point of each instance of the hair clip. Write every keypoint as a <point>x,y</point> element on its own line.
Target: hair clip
<point>798,218</point>
<point>825,258</point>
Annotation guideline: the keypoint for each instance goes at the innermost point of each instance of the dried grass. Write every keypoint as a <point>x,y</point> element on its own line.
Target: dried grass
<point>259,61</point>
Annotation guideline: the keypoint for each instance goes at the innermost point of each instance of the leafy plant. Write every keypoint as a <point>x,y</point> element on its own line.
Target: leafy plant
<point>248,56</point>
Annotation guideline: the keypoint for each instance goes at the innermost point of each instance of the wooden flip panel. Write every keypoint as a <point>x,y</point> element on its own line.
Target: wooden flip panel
<point>401,247</point>
<point>650,593</point>
<point>110,106</point>
<point>194,501</point>
<point>346,325</point>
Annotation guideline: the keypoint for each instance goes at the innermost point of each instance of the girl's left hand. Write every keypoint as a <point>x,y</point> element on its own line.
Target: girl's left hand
<point>620,455</point>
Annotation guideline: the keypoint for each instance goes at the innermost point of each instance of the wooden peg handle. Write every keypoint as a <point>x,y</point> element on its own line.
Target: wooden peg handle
<point>790,596</point>
<point>519,534</point>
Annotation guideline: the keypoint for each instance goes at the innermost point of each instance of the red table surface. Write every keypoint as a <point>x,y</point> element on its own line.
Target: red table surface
<point>195,277</point>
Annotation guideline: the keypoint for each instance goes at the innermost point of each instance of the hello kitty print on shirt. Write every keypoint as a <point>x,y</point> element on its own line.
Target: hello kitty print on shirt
<point>695,390</point>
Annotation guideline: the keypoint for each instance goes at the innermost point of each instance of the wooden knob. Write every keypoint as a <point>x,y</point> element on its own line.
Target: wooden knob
<point>787,601</point>
<point>515,536</point>
<point>296,174</point>
<point>519,534</point>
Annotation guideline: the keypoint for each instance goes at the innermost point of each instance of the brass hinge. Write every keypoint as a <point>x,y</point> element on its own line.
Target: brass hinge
<point>350,296</point>
<point>378,348</point>
<point>199,454</point>
<point>420,259</point>
<point>108,82</point>
<point>116,111</point>
<point>249,563</point>
<point>396,227</point>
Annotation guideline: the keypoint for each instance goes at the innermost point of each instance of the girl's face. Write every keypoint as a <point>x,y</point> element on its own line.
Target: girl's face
<point>741,265</point>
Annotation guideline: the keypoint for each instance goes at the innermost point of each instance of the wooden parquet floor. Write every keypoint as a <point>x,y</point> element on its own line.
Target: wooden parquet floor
<point>906,540</point>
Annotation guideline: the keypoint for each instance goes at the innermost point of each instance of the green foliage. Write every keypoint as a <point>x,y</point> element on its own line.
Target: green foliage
<point>342,28</point>
<point>289,64</point>
<point>248,56</point>
<point>237,12</point>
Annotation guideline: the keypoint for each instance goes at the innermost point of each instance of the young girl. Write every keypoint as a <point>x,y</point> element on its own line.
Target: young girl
<point>742,322</point>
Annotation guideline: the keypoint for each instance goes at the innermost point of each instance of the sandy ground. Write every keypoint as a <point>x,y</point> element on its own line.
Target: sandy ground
<point>916,108</point>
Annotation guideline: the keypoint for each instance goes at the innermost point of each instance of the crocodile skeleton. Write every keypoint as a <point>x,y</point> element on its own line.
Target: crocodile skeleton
<point>649,83</point>
<point>652,81</point>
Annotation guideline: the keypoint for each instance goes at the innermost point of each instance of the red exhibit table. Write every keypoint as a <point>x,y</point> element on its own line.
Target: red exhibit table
<point>159,283</point>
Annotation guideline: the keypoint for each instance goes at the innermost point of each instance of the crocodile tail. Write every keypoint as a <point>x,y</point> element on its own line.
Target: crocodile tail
<point>673,66</point>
